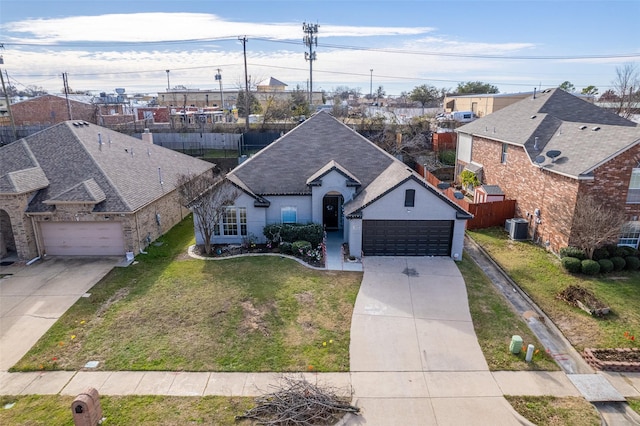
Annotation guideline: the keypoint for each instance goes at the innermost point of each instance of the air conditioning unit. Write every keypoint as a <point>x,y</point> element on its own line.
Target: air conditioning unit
<point>519,229</point>
<point>507,225</point>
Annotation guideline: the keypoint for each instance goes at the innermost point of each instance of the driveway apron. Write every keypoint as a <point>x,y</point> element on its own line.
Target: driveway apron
<point>415,357</point>
<point>33,297</point>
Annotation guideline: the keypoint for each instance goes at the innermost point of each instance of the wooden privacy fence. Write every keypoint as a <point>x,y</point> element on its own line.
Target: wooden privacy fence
<point>485,215</point>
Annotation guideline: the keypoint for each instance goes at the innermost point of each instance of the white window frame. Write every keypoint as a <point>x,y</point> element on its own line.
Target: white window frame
<point>503,157</point>
<point>286,212</point>
<point>633,194</point>
<point>630,235</point>
<point>234,221</point>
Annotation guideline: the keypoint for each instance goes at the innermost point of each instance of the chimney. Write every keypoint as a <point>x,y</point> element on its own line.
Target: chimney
<point>147,136</point>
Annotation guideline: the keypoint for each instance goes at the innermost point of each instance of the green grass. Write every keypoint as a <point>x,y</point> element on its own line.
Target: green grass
<point>495,322</point>
<point>171,312</point>
<point>634,404</point>
<point>553,411</point>
<point>541,275</point>
<point>55,410</point>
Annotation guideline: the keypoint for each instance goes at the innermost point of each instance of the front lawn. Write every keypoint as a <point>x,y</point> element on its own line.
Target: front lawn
<point>495,322</point>
<point>554,411</point>
<point>540,274</point>
<point>171,312</point>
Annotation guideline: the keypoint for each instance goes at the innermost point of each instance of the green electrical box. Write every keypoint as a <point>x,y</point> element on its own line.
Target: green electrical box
<point>516,344</point>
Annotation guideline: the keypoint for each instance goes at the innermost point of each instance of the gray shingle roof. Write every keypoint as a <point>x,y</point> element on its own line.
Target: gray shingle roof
<point>123,170</point>
<point>557,120</point>
<point>284,167</point>
<point>291,164</point>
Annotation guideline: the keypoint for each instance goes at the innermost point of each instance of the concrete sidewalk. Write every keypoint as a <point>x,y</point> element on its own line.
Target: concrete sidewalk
<point>406,384</point>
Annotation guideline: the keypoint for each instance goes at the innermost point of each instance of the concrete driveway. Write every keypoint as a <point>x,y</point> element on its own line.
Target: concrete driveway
<point>415,358</point>
<point>33,297</point>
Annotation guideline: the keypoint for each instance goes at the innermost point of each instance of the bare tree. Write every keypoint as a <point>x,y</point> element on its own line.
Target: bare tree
<point>207,196</point>
<point>595,224</point>
<point>626,87</point>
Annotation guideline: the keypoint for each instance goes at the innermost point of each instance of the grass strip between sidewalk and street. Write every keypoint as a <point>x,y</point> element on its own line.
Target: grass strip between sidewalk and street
<point>47,410</point>
<point>555,411</point>
<point>495,322</point>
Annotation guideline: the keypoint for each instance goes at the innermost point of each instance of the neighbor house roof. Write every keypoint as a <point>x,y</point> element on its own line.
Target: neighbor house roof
<point>294,163</point>
<point>85,163</point>
<point>271,82</point>
<point>585,134</point>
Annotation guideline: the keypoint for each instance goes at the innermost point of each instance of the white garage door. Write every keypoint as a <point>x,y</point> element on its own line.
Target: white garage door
<point>82,238</point>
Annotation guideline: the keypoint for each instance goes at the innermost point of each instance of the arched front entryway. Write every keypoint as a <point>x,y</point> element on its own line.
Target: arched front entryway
<point>332,211</point>
<point>7,240</point>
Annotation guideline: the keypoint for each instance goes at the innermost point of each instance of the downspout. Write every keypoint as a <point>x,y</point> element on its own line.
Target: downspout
<point>138,234</point>
<point>36,235</point>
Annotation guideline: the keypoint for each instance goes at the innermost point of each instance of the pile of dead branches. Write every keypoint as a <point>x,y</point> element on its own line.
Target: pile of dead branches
<point>298,402</point>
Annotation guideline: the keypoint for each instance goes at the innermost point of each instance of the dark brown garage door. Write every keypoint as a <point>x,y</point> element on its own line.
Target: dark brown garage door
<point>407,237</point>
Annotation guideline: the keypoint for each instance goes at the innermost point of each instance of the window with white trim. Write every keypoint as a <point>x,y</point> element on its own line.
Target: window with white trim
<point>503,158</point>
<point>633,196</point>
<point>289,214</point>
<point>234,220</point>
<point>630,235</point>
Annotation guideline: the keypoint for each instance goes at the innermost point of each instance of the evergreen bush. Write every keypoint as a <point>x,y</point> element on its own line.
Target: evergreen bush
<point>606,265</point>
<point>633,263</point>
<point>572,264</point>
<point>576,252</point>
<point>590,267</point>
<point>618,263</point>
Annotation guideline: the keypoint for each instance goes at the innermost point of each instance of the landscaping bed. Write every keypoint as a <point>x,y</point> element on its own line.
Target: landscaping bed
<point>619,359</point>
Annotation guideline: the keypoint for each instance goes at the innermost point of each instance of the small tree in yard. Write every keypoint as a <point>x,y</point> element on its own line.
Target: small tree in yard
<point>595,224</point>
<point>207,196</point>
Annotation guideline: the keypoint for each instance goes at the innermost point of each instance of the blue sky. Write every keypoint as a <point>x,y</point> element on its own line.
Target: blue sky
<point>515,45</point>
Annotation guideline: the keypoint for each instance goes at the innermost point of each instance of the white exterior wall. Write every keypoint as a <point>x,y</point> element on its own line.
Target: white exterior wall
<point>255,223</point>
<point>302,203</point>
<point>463,152</point>
<point>428,206</point>
<point>331,182</point>
<point>354,229</point>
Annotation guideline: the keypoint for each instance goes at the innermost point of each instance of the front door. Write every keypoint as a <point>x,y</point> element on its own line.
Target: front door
<point>331,207</point>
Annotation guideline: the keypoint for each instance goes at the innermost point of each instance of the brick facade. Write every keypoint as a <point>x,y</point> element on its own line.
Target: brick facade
<point>553,195</point>
<point>50,110</point>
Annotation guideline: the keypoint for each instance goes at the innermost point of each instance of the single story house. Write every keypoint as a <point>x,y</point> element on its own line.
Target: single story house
<point>78,189</point>
<point>324,172</point>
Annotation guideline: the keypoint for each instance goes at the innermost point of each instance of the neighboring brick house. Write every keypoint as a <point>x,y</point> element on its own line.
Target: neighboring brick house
<point>81,189</point>
<point>48,110</point>
<point>596,152</point>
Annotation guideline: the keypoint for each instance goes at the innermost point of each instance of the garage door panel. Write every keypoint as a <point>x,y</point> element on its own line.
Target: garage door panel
<point>407,238</point>
<point>82,238</point>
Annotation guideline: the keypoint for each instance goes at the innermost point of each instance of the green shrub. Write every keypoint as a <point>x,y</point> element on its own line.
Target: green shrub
<point>576,252</point>
<point>290,232</point>
<point>572,264</point>
<point>633,263</point>
<point>300,247</point>
<point>285,248</point>
<point>447,157</point>
<point>590,267</point>
<point>606,265</point>
<point>600,253</point>
<point>618,263</point>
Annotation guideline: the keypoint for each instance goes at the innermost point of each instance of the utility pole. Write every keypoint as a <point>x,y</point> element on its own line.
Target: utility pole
<point>246,83</point>
<point>371,85</point>
<point>310,39</point>
<point>219,78</point>
<point>65,82</point>
<point>6,97</point>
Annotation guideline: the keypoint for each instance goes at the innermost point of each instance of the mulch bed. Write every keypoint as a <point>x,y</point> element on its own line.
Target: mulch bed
<point>226,250</point>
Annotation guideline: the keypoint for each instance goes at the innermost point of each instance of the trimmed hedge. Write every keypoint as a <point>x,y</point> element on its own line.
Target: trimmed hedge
<point>572,264</point>
<point>299,247</point>
<point>291,232</point>
<point>633,263</point>
<point>606,265</point>
<point>600,253</point>
<point>576,252</point>
<point>618,263</point>
<point>590,267</point>
<point>285,248</point>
